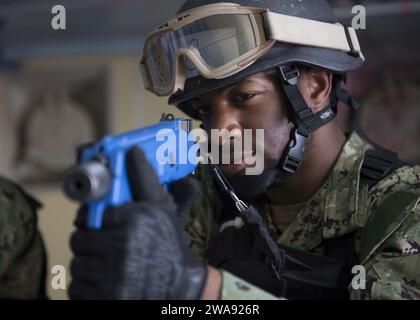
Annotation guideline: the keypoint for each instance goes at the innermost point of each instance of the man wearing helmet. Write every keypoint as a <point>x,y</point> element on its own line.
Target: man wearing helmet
<point>328,199</point>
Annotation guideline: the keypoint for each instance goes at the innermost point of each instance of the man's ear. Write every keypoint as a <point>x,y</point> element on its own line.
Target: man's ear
<point>315,86</point>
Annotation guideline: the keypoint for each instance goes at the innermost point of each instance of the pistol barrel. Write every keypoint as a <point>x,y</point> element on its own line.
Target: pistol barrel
<point>87,182</point>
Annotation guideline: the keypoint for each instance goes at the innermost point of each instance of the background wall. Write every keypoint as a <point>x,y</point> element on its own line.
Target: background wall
<point>130,107</point>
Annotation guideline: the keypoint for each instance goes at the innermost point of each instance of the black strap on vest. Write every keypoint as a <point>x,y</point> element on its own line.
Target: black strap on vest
<point>304,276</point>
<point>378,163</point>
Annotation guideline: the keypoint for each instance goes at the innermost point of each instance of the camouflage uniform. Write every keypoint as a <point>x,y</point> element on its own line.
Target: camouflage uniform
<point>22,254</point>
<point>386,220</point>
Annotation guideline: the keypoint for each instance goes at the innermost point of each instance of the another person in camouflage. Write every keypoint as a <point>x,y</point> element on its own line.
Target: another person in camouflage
<point>22,253</point>
<point>330,199</point>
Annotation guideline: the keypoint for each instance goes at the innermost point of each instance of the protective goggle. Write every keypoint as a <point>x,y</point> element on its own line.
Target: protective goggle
<point>219,40</point>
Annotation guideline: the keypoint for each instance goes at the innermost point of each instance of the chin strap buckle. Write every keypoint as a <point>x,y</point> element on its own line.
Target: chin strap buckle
<point>294,153</point>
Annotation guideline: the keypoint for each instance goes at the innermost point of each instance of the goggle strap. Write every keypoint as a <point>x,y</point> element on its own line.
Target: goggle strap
<point>284,28</point>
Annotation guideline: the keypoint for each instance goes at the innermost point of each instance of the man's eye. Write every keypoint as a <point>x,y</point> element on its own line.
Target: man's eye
<point>242,97</point>
<point>203,110</point>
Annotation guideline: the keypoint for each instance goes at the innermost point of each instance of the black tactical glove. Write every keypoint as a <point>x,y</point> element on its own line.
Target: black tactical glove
<point>140,252</point>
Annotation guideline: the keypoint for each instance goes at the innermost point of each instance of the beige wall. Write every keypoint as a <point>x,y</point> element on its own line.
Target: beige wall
<point>130,107</point>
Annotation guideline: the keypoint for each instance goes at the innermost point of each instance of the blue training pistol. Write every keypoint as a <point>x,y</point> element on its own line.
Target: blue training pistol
<point>100,180</point>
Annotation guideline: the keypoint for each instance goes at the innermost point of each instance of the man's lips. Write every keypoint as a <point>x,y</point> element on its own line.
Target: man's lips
<point>232,169</point>
<point>237,163</point>
<point>236,156</point>
<point>235,166</point>
<point>232,161</point>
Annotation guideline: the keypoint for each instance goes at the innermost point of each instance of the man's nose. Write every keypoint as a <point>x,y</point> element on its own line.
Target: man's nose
<point>225,117</point>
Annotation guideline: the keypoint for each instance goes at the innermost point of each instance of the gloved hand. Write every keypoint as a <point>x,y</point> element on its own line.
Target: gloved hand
<point>140,252</point>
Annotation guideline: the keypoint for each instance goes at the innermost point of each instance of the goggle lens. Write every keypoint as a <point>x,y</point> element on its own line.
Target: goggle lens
<point>219,40</point>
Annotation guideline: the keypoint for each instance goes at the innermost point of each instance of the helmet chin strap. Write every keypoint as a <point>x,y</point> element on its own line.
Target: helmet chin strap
<point>306,122</point>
